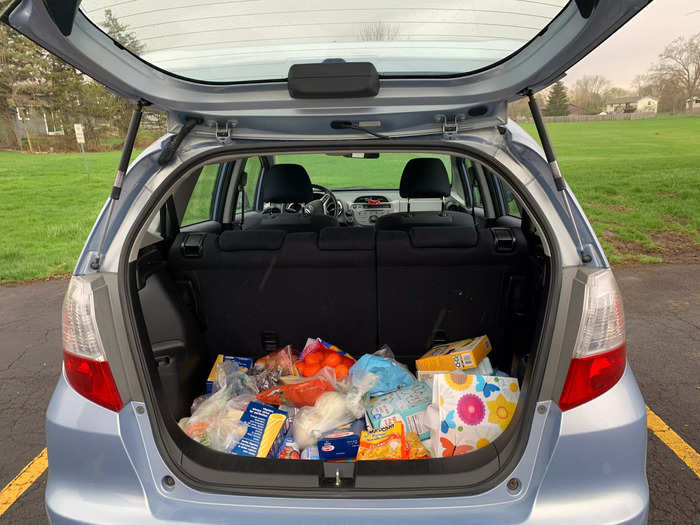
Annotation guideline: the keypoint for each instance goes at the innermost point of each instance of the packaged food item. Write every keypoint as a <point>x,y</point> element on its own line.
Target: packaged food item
<point>304,393</point>
<point>391,373</point>
<point>384,443</point>
<point>463,354</point>
<point>407,405</point>
<point>310,452</point>
<point>331,410</point>
<point>216,422</point>
<point>318,354</point>
<point>484,368</point>
<point>267,428</point>
<point>244,365</point>
<point>282,360</point>
<point>289,449</point>
<point>469,411</point>
<point>416,448</point>
<point>341,442</point>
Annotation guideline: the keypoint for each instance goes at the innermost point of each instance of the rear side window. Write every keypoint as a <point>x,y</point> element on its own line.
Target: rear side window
<point>253,167</point>
<point>511,204</point>
<point>199,207</point>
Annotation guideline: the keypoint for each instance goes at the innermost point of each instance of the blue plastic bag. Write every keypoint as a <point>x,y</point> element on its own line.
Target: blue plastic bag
<point>391,373</point>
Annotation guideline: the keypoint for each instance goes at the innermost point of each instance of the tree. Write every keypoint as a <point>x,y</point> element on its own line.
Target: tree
<point>589,92</point>
<point>679,66</point>
<point>378,31</point>
<point>23,67</point>
<point>557,101</point>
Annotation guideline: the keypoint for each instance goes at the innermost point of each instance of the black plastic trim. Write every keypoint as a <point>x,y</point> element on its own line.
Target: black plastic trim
<point>63,12</point>
<point>279,477</point>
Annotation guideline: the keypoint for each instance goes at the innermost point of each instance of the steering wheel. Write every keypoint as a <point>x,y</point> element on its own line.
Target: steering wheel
<point>321,206</point>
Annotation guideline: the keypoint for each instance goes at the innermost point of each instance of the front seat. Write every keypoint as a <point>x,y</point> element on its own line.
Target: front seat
<point>286,184</point>
<point>424,178</point>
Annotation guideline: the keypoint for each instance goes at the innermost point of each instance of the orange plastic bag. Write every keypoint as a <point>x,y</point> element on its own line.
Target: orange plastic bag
<point>416,449</point>
<point>300,394</point>
<point>384,443</point>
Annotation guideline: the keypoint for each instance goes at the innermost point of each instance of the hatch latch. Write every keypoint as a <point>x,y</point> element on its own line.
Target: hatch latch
<point>338,474</point>
<point>224,131</point>
<point>450,124</point>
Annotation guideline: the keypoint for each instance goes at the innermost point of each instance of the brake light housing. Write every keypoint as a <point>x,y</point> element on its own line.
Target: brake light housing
<point>599,356</point>
<point>84,360</point>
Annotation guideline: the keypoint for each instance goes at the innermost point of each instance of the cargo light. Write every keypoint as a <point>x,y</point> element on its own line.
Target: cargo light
<point>598,360</point>
<point>84,360</point>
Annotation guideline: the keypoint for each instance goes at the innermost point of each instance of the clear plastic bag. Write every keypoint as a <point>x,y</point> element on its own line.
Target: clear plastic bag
<point>391,374</point>
<point>303,393</point>
<point>332,409</point>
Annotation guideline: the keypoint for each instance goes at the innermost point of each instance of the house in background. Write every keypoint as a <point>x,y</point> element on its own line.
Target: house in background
<point>631,105</point>
<point>575,110</point>
<point>693,103</point>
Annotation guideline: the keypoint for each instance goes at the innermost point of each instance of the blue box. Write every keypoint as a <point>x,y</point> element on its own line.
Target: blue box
<point>267,428</point>
<point>245,364</point>
<point>342,442</point>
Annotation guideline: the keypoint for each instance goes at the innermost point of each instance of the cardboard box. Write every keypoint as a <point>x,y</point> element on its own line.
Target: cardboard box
<point>267,429</point>
<point>484,368</point>
<point>464,354</point>
<point>342,442</point>
<point>405,404</point>
<point>245,363</point>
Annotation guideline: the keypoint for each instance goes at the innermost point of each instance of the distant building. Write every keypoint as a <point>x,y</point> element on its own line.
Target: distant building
<point>631,105</point>
<point>575,110</point>
<point>693,103</point>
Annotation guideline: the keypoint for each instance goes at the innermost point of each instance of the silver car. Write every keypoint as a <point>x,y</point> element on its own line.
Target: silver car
<point>345,171</point>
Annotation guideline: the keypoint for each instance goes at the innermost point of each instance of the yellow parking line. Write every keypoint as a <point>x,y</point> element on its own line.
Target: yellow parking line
<point>28,475</point>
<point>673,441</point>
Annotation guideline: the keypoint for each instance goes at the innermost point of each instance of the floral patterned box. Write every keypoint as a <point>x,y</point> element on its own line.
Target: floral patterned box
<point>469,411</point>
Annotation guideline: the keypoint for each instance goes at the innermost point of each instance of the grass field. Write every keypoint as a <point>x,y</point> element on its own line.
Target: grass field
<point>639,182</point>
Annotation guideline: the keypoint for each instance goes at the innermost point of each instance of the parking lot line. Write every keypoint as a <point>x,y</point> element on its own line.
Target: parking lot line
<point>22,481</point>
<point>673,441</point>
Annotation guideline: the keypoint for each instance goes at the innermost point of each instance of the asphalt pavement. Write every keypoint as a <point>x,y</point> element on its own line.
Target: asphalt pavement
<point>662,303</point>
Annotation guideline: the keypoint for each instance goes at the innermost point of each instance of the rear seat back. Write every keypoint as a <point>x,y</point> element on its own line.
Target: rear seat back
<point>296,285</point>
<point>444,284</point>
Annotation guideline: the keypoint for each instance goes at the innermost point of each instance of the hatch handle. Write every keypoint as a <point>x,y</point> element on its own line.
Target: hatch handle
<point>554,167</point>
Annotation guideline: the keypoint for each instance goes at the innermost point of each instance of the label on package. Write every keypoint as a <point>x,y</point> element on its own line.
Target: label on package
<point>244,363</point>
<point>266,431</point>
<point>342,442</point>
<point>405,404</point>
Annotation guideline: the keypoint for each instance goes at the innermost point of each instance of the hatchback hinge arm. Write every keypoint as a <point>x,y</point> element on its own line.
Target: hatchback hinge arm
<point>127,149</point>
<point>174,142</point>
<point>554,167</point>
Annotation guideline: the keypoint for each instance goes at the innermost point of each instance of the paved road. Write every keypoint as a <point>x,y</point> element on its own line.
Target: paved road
<point>663,316</point>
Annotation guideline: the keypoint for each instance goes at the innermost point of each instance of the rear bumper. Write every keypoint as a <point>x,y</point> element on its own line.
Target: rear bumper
<point>584,466</point>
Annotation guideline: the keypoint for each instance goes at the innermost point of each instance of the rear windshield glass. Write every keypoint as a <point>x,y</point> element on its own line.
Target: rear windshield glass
<point>339,172</point>
<point>248,40</point>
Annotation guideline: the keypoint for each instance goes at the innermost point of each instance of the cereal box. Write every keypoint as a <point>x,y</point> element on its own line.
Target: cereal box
<point>267,429</point>
<point>463,354</point>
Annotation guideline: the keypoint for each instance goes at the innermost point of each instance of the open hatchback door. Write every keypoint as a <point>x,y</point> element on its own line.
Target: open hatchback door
<point>465,59</point>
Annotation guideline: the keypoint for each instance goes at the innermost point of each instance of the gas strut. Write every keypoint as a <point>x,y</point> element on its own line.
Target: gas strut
<point>119,176</point>
<point>554,167</point>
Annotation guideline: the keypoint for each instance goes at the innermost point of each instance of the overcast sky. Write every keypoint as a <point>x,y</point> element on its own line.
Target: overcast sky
<point>637,45</point>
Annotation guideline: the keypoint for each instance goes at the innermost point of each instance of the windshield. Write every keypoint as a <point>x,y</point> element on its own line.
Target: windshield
<point>338,172</point>
<point>249,40</point>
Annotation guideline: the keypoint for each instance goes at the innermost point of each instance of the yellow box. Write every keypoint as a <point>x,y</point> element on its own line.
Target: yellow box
<point>458,355</point>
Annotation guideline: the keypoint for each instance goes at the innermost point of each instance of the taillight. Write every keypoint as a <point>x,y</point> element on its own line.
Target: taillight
<point>84,359</point>
<point>599,353</point>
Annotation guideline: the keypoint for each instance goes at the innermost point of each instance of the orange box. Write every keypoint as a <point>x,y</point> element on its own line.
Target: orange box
<point>459,355</point>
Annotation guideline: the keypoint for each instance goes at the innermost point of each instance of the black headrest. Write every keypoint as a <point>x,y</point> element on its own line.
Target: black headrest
<point>287,183</point>
<point>424,178</point>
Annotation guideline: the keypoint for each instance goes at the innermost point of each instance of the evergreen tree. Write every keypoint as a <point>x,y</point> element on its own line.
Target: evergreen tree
<point>557,101</point>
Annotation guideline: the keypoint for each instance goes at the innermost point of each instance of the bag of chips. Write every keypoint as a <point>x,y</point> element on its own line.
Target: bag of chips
<point>384,443</point>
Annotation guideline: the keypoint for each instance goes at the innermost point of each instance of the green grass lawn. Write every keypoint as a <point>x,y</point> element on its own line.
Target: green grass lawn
<point>639,182</point>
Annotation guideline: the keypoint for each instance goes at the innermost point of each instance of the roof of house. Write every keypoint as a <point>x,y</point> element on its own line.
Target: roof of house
<point>625,100</point>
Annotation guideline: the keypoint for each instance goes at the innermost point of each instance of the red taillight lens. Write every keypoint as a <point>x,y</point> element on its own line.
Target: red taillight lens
<point>92,379</point>
<point>589,377</point>
<point>599,353</point>
<point>84,357</point>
